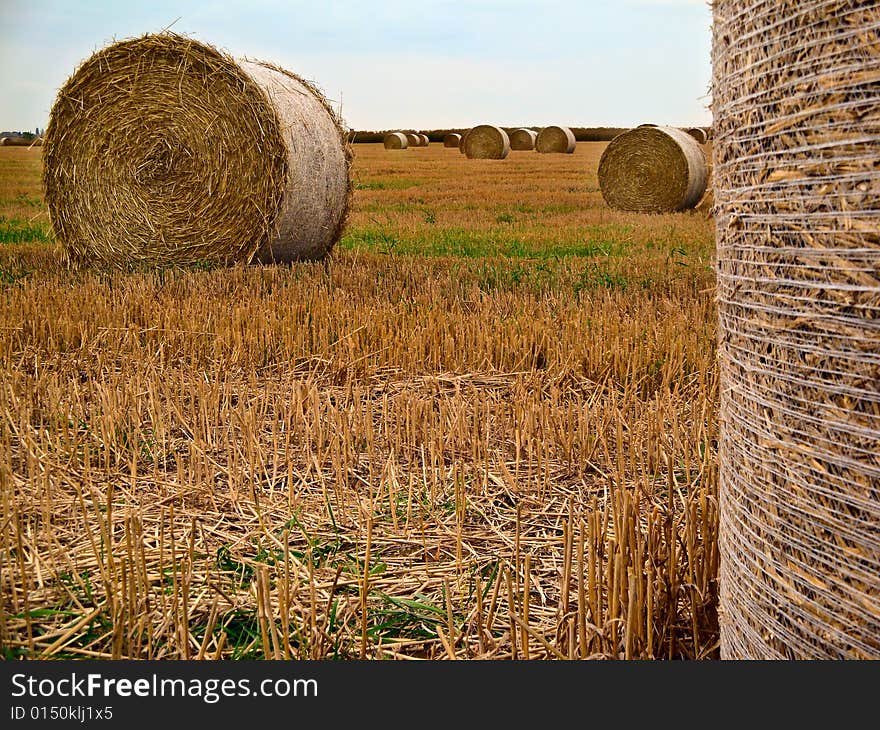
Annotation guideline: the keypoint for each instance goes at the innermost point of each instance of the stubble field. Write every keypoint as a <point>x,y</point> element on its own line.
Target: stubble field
<point>484,428</point>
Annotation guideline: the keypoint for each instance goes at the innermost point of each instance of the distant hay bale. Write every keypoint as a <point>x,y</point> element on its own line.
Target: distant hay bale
<point>425,140</point>
<point>413,140</point>
<point>395,141</point>
<point>487,142</point>
<point>462,141</point>
<point>523,139</point>
<point>555,139</point>
<point>653,170</point>
<point>796,110</point>
<point>21,142</point>
<point>163,150</point>
<point>452,140</point>
<point>698,133</point>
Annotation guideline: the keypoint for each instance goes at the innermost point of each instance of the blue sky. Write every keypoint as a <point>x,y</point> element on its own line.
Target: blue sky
<point>421,63</point>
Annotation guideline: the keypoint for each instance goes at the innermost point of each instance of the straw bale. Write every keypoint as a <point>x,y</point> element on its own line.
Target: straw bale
<point>555,139</point>
<point>487,142</point>
<point>698,133</point>
<point>796,206</point>
<point>395,141</point>
<point>413,140</point>
<point>523,139</point>
<point>452,140</point>
<point>163,150</point>
<point>424,140</point>
<point>653,170</point>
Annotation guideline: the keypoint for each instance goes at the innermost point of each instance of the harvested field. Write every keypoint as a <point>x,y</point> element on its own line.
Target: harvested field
<point>485,427</point>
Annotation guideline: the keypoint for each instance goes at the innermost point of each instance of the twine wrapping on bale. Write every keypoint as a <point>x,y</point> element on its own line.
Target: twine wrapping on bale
<point>395,141</point>
<point>487,142</point>
<point>523,139</point>
<point>698,133</point>
<point>555,139</point>
<point>413,140</point>
<point>163,150</point>
<point>796,103</point>
<point>452,140</point>
<point>653,170</point>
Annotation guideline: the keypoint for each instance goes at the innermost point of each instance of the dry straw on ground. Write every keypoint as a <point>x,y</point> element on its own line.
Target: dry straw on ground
<point>698,133</point>
<point>163,150</point>
<point>555,139</point>
<point>452,140</point>
<point>487,142</point>
<point>395,141</point>
<point>653,170</point>
<point>523,139</point>
<point>796,105</point>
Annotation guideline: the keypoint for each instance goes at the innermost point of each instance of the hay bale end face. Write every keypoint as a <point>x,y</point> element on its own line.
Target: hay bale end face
<point>698,133</point>
<point>798,251</point>
<point>162,150</point>
<point>653,170</point>
<point>555,139</point>
<point>523,139</point>
<point>395,141</point>
<point>452,140</point>
<point>487,142</point>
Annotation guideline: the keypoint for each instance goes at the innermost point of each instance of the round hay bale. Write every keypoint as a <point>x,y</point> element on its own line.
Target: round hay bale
<point>452,140</point>
<point>163,150</point>
<point>523,139</point>
<point>698,133</point>
<point>413,140</point>
<point>462,141</point>
<point>796,212</point>
<point>653,170</point>
<point>5,142</point>
<point>486,142</point>
<point>395,141</point>
<point>555,139</point>
<point>425,140</point>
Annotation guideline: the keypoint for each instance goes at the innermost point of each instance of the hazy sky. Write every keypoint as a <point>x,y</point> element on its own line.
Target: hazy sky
<point>420,63</point>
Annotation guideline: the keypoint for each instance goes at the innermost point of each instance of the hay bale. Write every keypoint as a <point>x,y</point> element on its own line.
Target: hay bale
<point>424,139</point>
<point>413,140</point>
<point>462,141</point>
<point>653,170</point>
<point>555,139</point>
<point>487,142</point>
<point>395,141</point>
<point>452,140</point>
<point>698,133</point>
<point>163,150</point>
<point>523,139</point>
<point>795,181</point>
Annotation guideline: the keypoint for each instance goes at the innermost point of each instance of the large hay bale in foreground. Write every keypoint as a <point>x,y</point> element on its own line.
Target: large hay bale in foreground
<point>653,170</point>
<point>395,141</point>
<point>452,139</point>
<point>487,142</point>
<point>795,179</point>
<point>698,133</point>
<point>164,150</point>
<point>555,139</point>
<point>523,139</point>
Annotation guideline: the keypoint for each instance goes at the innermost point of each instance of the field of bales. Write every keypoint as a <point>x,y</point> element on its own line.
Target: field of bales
<point>484,427</point>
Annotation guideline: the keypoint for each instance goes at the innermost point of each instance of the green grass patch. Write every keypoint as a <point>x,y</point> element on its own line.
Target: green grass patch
<point>500,241</point>
<point>393,184</point>
<point>15,230</point>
